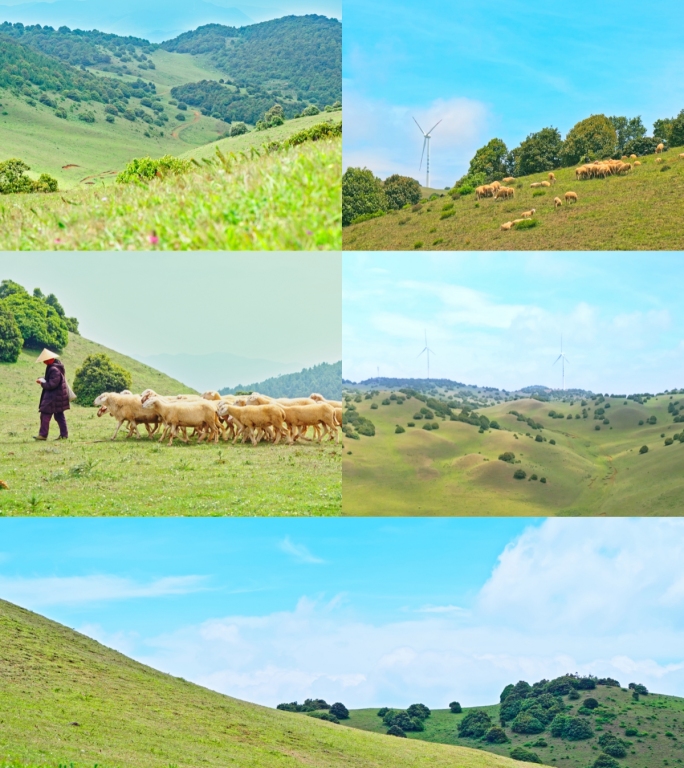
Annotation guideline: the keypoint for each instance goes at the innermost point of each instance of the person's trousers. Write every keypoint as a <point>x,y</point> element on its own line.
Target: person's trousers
<point>45,424</point>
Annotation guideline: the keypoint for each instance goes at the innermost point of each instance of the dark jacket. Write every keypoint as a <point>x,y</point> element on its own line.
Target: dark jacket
<point>55,397</point>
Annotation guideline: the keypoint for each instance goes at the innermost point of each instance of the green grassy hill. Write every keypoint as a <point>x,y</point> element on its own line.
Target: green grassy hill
<point>638,211</point>
<point>66,699</point>
<point>455,470</point>
<point>657,719</point>
<point>90,475</point>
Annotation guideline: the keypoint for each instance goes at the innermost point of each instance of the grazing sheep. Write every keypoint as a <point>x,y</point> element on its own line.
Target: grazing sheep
<point>127,407</point>
<point>528,214</point>
<point>509,179</point>
<point>256,421</point>
<point>632,157</point>
<point>546,184</point>
<point>660,148</point>
<point>552,178</point>
<point>508,225</point>
<point>495,185</point>
<point>557,202</point>
<point>571,196</point>
<point>211,395</point>
<point>300,417</point>
<point>681,155</point>
<point>200,415</point>
<point>536,184</point>
<point>659,159</point>
<point>636,162</point>
<point>503,193</point>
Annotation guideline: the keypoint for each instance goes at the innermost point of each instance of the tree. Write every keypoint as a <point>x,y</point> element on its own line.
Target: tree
<point>663,128</point>
<point>490,161</point>
<point>395,730</point>
<point>418,710</point>
<point>643,449</point>
<point>627,129</point>
<point>539,152</point>
<point>8,287</point>
<point>577,729</point>
<point>455,708</point>
<point>525,755</point>
<point>13,179</point>
<point>508,456</point>
<point>496,735</point>
<point>520,474</point>
<point>99,374</point>
<point>11,340</point>
<point>594,138</point>
<point>237,129</point>
<point>526,723</point>
<point>311,110</point>
<point>605,761</point>
<point>676,137</point>
<point>475,724</point>
<point>400,191</point>
<point>383,711</point>
<point>339,710</point>
<point>646,145</point>
<point>590,703</point>
<point>362,193</point>
<point>39,323</point>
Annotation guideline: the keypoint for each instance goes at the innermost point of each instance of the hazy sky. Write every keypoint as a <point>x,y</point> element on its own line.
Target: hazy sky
<point>496,319</point>
<point>283,307</point>
<point>369,612</point>
<point>502,69</point>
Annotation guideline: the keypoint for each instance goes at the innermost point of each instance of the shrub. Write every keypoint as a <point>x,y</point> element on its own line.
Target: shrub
<point>428,426</point>
<point>475,724</point>
<point>455,708</point>
<point>577,729</point>
<point>552,442</point>
<point>590,703</point>
<point>527,224</point>
<point>339,710</point>
<point>539,439</point>
<point>99,374</point>
<point>605,761</point>
<point>573,695</point>
<point>395,730</point>
<point>237,129</point>
<point>401,191</point>
<point>39,323</point>
<point>180,116</point>
<point>11,340</point>
<point>319,715</point>
<point>520,474</point>
<point>311,110</point>
<point>145,168</point>
<point>612,746</point>
<point>411,424</point>
<point>526,723</point>
<point>418,710</point>
<point>496,735</point>
<point>109,118</point>
<point>641,422</point>
<point>13,179</point>
<point>315,133</point>
<point>631,732</point>
<point>494,425</point>
<point>542,480</point>
<point>643,449</point>
<point>374,406</point>
<point>362,193</point>
<point>383,711</point>
<point>669,441</point>
<point>386,401</point>
<point>508,456</point>
<point>525,755</point>
<point>399,429</point>
<point>533,476</point>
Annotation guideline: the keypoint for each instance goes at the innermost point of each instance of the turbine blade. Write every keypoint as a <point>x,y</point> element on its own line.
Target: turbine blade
<point>419,128</point>
<point>434,126</point>
<point>422,154</point>
<point>557,359</point>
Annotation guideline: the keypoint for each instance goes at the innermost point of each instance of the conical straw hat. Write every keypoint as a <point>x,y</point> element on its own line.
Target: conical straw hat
<point>46,354</point>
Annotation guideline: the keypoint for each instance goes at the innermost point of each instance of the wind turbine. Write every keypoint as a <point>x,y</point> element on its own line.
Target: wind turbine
<point>427,350</point>
<point>563,360</point>
<point>426,143</point>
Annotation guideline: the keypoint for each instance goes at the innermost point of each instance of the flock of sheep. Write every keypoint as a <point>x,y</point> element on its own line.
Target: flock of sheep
<point>213,416</point>
<point>597,169</point>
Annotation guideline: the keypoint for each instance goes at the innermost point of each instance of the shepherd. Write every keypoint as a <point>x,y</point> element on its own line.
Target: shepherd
<point>55,397</point>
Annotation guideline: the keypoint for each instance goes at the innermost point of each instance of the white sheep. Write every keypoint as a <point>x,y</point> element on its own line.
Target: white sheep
<point>127,407</point>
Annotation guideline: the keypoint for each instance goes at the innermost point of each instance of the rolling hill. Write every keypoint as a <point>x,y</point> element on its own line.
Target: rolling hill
<point>325,378</point>
<point>66,699</point>
<point>90,475</point>
<point>589,467</point>
<point>650,728</point>
<point>638,211</point>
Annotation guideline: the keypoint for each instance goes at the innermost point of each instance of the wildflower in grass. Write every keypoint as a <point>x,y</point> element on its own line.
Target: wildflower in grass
<point>153,238</point>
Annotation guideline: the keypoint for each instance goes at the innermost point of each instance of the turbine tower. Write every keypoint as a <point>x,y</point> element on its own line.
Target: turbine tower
<point>563,360</point>
<point>426,143</point>
<point>427,351</point>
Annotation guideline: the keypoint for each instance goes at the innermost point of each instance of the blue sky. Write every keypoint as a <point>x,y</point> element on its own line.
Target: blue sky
<point>366,611</point>
<point>496,319</point>
<point>499,69</point>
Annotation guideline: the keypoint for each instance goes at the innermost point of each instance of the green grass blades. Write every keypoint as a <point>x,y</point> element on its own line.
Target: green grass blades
<point>288,200</point>
<point>64,698</point>
<point>638,211</point>
<point>91,475</point>
<point>657,720</point>
<point>455,470</point>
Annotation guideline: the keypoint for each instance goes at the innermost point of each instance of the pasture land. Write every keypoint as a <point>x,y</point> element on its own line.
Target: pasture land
<point>653,716</point>
<point>455,470</point>
<point>91,475</point>
<point>639,211</point>
<point>66,699</point>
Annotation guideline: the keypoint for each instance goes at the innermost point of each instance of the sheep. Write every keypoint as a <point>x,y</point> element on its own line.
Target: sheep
<point>659,159</point>
<point>256,421</point>
<point>570,196</point>
<point>504,193</point>
<point>486,190</point>
<point>528,214</point>
<point>557,202</point>
<point>536,184</point>
<point>636,162</point>
<point>552,178</point>
<point>517,221</point>
<point>509,179</point>
<point>660,148</point>
<point>320,399</point>
<point>508,225</point>
<point>495,185</point>
<point>212,394</point>
<point>681,155</point>
<point>126,407</point>
<point>178,414</point>
<point>299,417</point>
<point>632,157</point>
<point>545,183</point>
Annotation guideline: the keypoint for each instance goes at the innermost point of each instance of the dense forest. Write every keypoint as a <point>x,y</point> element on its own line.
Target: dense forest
<point>297,56</point>
<point>325,378</point>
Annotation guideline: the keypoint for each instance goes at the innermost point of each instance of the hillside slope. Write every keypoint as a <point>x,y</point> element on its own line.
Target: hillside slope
<point>455,470</point>
<point>657,719</point>
<point>90,475</point>
<point>64,698</point>
<point>325,378</point>
<point>638,211</point>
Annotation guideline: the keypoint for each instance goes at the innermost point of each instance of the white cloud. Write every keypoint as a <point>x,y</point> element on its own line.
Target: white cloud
<point>298,551</point>
<point>55,590</point>
<point>384,138</point>
<point>592,596</point>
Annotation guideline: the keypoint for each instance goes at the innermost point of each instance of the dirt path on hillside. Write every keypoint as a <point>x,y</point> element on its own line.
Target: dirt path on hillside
<point>176,134</point>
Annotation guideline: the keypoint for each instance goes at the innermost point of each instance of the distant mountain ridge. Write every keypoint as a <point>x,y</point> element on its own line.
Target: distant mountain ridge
<point>325,378</point>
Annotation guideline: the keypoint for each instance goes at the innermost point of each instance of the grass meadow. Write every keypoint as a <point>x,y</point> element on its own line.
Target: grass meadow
<point>91,475</point>
<point>455,470</point>
<point>639,211</point>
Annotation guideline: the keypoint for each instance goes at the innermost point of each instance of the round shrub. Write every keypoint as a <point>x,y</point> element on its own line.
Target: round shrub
<point>590,703</point>
<point>374,406</point>
<point>146,169</point>
<point>669,441</point>
<point>508,456</point>
<point>475,724</point>
<point>526,723</point>
<point>435,425</point>
<point>520,474</point>
<point>525,755</point>
<point>428,426</point>
<point>310,111</point>
<point>631,732</point>
<point>395,730</point>
<point>99,374</point>
<point>382,712</point>
<point>339,710</point>
<point>573,695</point>
<point>577,729</point>
<point>399,429</point>
<point>237,129</point>
<point>542,480</point>
<point>552,442</point>
<point>533,476</point>
<point>39,323</point>
<point>605,761</point>
<point>411,424</point>
<point>539,439</point>
<point>11,340</point>
<point>418,710</point>
<point>362,193</point>
<point>401,191</point>
<point>643,449</point>
<point>322,715</point>
<point>496,735</point>
<point>455,708</point>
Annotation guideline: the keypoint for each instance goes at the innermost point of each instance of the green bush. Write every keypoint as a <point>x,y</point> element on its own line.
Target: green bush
<point>643,449</point>
<point>374,406</point>
<point>594,138</point>
<point>399,429</point>
<point>311,110</point>
<point>526,723</point>
<point>508,456</point>
<point>13,179</point>
<point>428,426</point>
<point>525,755</point>
<point>362,193</point>
<point>520,474</point>
<point>238,129</point>
<point>455,708</point>
<point>542,480</point>
<point>99,374</point>
<point>315,133</point>
<point>590,703</point>
<point>612,746</point>
<point>401,191</point>
<point>11,340</point>
<point>411,424</point>
<point>395,730</point>
<point>669,441</point>
<point>494,425</point>
<point>552,442</point>
<point>39,323</point>
<point>527,224</point>
<point>382,711</point>
<point>539,439</point>
<point>418,710</point>
<point>496,735</point>
<point>475,724</point>
<point>321,715</point>
<point>605,761</point>
<point>145,168</point>
<point>367,217</point>
<point>339,710</point>
<point>631,732</point>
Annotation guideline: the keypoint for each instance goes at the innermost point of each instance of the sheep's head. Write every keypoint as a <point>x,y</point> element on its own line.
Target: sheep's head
<point>101,399</point>
<point>316,396</point>
<point>102,410</point>
<point>147,394</point>
<point>223,409</point>
<point>125,392</point>
<point>211,395</point>
<point>150,401</point>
